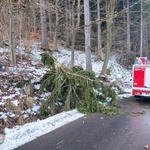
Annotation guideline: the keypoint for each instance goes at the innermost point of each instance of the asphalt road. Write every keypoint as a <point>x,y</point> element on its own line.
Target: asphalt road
<point>127,131</point>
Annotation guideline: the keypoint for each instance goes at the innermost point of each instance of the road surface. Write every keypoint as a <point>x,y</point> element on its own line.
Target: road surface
<point>127,131</point>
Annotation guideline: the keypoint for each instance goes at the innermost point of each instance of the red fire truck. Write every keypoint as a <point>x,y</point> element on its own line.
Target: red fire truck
<point>141,78</point>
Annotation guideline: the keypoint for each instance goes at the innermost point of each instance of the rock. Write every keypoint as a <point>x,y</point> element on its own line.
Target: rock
<point>28,103</point>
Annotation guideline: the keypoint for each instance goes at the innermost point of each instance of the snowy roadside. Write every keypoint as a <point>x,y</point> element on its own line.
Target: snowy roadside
<point>32,68</point>
<point>20,135</point>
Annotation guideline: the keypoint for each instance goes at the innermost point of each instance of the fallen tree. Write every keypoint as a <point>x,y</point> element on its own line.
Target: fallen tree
<point>72,88</point>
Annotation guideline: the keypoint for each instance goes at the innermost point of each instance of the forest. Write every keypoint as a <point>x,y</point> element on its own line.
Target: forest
<point>34,85</point>
<point>121,26</point>
<point>102,28</point>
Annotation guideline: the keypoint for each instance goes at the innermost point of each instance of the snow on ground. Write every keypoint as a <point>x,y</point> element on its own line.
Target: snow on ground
<point>25,125</point>
<point>20,135</point>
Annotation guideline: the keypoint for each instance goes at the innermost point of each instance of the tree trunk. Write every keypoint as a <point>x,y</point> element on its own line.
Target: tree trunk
<point>87,30</point>
<point>99,41</point>
<point>141,41</point>
<point>109,19</point>
<point>74,29</point>
<point>146,39</point>
<point>50,22</point>
<point>1,37</point>
<point>34,19</point>
<point>20,32</point>
<point>56,26</point>
<point>128,29</point>
<point>44,44</point>
<point>67,11</point>
<point>12,34</point>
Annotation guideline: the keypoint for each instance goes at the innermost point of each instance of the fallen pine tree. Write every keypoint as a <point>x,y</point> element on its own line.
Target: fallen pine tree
<point>73,88</point>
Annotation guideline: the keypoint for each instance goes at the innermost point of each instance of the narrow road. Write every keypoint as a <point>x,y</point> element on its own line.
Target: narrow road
<point>127,131</point>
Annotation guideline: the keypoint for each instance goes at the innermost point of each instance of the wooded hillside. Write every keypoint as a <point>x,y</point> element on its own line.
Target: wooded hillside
<point>69,22</point>
<point>102,27</point>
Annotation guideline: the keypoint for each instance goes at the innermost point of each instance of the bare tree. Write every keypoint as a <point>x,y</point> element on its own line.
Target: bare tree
<point>34,17</point>
<point>44,44</point>
<point>1,35</point>
<point>141,41</point>
<point>12,34</point>
<point>87,30</point>
<point>50,22</point>
<point>109,19</point>
<point>128,29</point>
<point>67,18</point>
<point>56,26</point>
<point>74,29</point>
<point>99,40</point>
